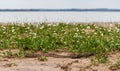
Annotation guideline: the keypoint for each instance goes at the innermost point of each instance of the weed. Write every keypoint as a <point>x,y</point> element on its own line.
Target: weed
<point>42,58</point>
<point>8,53</point>
<point>115,66</point>
<point>10,65</point>
<point>20,54</point>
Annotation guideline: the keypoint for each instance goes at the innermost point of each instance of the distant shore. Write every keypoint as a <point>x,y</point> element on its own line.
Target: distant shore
<point>60,10</point>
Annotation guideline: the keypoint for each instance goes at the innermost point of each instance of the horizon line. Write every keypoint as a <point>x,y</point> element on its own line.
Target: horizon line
<point>59,8</point>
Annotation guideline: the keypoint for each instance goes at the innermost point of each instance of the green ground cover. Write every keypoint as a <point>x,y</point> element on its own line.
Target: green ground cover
<point>75,38</point>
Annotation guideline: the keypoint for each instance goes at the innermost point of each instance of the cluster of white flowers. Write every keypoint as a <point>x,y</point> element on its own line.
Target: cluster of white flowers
<point>4,32</point>
<point>76,35</point>
<point>28,28</point>
<point>96,27</point>
<point>13,29</point>
<point>101,34</point>
<point>23,25</point>
<point>65,42</point>
<point>88,36</point>
<point>109,30</point>
<point>83,30</point>
<point>1,40</point>
<point>95,33</point>
<point>78,41</point>
<point>42,27</point>
<point>3,27</point>
<point>117,29</point>
<point>88,27</point>
<point>54,25</point>
<point>54,31</point>
<point>65,32</point>
<point>77,30</point>
<point>26,31</point>
<point>49,24</point>
<point>34,35</point>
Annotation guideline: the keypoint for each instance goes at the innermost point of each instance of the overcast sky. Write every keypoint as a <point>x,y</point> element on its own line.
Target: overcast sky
<point>59,4</point>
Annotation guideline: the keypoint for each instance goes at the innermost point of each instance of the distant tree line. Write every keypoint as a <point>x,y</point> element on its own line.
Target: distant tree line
<point>78,10</point>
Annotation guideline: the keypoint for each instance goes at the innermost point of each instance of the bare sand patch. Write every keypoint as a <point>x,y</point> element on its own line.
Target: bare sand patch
<point>56,64</point>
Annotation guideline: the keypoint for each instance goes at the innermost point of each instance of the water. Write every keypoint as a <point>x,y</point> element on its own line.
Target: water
<point>59,17</point>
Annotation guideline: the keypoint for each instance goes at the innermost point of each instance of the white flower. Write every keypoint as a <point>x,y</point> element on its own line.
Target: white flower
<point>82,32</point>
<point>26,31</point>
<point>76,35</point>
<point>77,30</point>
<point>4,28</point>
<point>101,34</point>
<point>88,27</point>
<point>65,42</point>
<point>42,27</point>
<point>117,30</point>
<point>109,30</point>
<point>13,30</point>
<point>12,27</point>
<point>95,33</point>
<point>34,34</point>
<point>83,29</point>
<point>28,27</point>
<point>78,41</point>
<point>54,25</point>
<point>88,36</point>
<point>4,32</point>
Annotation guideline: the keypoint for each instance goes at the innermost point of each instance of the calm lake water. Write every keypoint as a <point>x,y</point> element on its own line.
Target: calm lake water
<point>59,17</point>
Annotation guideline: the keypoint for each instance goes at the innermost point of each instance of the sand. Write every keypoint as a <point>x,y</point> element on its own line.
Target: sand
<point>56,64</point>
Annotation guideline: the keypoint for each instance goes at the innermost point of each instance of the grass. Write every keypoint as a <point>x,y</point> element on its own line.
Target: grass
<point>88,39</point>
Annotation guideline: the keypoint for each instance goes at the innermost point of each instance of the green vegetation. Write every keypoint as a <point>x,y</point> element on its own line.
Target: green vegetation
<point>115,66</point>
<point>42,58</point>
<point>88,39</point>
<point>10,65</point>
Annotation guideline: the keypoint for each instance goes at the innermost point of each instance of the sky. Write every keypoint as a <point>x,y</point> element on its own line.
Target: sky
<point>58,4</point>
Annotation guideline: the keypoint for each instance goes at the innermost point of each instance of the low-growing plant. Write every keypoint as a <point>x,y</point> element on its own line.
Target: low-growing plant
<point>8,53</point>
<point>20,54</point>
<point>10,65</point>
<point>115,66</point>
<point>87,39</point>
<point>42,58</point>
